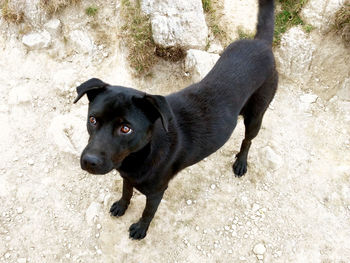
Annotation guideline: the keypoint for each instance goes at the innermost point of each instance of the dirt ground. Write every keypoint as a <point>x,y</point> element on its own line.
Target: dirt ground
<point>293,205</point>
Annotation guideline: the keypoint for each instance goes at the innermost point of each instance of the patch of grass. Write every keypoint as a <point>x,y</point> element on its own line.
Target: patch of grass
<point>289,16</point>
<point>171,53</point>
<point>206,5</point>
<point>54,6</point>
<point>91,10</point>
<point>308,28</point>
<point>342,22</point>
<point>244,35</point>
<point>212,18</point>
<point>137,34</point>
<point>10,14</point>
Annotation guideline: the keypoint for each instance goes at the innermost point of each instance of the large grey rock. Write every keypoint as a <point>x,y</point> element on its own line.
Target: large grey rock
<point>295,55</point>
<point>198,63</point>
<point>37,40</point>
<point>177,23</point>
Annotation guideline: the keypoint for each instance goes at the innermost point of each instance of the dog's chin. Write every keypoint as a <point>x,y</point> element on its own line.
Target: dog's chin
<point>100,171</point>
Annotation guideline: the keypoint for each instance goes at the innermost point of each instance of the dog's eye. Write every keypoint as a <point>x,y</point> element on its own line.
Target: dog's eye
<point>92,120</point>
<point>125,129</point>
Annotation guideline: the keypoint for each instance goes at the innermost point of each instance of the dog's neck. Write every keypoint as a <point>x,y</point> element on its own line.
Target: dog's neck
<point>134,161</point>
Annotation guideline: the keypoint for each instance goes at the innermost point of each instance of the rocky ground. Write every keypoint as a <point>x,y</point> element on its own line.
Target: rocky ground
<point>293,205</point>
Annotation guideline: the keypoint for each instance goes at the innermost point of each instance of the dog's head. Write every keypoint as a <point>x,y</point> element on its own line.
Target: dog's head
<point>120,122</point>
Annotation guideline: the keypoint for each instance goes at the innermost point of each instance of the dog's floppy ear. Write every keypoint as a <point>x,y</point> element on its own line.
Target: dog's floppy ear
<point>156,106</point>
<point>91,87</point>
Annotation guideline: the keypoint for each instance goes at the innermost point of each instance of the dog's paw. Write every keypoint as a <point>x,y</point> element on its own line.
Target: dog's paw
<point>138,230</point>
<point>239,167</point>
<point>118,208</point>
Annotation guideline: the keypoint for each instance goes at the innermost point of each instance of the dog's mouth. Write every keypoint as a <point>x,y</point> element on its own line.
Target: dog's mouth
<point>97,171</point>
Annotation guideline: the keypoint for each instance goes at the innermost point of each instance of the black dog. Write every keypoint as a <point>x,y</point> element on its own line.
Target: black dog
<point>150,138</point>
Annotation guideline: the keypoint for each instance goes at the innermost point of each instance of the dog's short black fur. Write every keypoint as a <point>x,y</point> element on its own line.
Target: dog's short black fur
<point>150,138</point>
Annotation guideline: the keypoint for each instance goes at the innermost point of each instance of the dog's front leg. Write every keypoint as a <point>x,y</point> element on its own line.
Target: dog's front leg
<point>139,229</point>
<point>119,207</point>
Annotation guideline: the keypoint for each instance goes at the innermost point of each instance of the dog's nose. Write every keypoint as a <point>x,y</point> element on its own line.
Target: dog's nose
<point>91,161</point>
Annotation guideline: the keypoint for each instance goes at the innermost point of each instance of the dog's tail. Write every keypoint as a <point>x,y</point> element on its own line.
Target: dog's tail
<point>266,21</point>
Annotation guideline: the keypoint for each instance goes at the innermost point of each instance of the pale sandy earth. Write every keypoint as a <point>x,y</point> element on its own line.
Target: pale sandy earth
<point>294,200</point>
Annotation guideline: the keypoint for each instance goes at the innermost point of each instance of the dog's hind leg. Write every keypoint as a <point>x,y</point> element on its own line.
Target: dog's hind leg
<point>253,113</point>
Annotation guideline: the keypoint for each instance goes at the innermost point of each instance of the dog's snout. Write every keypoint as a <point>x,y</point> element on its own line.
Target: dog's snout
<point>91,161</point>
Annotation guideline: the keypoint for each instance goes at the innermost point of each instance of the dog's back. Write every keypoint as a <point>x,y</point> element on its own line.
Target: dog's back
<point>206,112</point>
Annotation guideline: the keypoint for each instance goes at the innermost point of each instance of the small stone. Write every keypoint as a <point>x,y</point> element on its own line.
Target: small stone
<point>197,228</point>
<point>53,26</point>
<point>92,212</point>
<point>101,197</point>
<point>227,228</point>
<point>270,159</point>
<point>37,40</point>
<point>259,249</point>
<point>260,257</point>
<point>21,260</point>
<point>81,41</point>
<point>189,202</point>
<point>99,226</point>
<point>255,207</point>
<point>67,255</point>
<point>31,162</point>
<point>213,186</point>
<point>19,95</point>
<point>229,251</point>
<point>19,210</point>
<point>308,98</point>
<point>7,255</point>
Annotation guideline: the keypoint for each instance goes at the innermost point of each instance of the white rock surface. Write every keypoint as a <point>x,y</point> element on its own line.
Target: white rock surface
<point>344,91</point>
<point>270,159</point>
<point>198,63</point>
<point>319,13</point>
<point>177,23</point>
<point>81,41</point>
<point>38,40</point>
